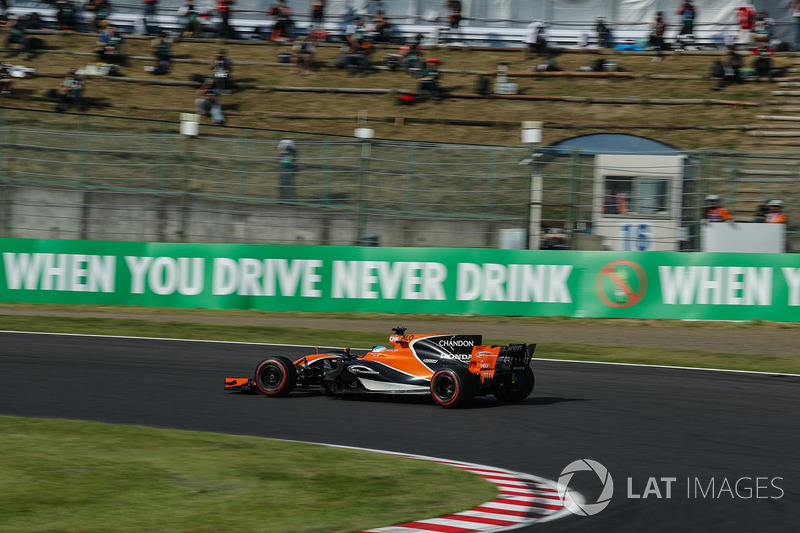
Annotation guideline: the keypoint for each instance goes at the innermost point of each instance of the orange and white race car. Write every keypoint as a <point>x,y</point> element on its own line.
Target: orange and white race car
<point>451,368</point>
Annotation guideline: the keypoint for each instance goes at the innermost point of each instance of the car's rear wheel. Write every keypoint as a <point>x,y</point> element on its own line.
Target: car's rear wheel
<point>276,376</point>
<point>453,387</point>
<point>519,389</point>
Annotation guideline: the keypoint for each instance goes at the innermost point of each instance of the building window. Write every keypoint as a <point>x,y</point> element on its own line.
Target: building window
<point>634,195</point>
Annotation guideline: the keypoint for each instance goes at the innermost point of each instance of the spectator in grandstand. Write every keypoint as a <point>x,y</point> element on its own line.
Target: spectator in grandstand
<point>657,36</point>
<point>775,215</point>
<point>796,20</point>
<point>281,29</point>
<point>222,68</point>
<point>149,18</point>
<point>65,15</point>
<point>207,102</point>
<point>603,34</point>
<point>412,54</point>
<point>161,50</point>
<point>317,14</point>
<point>5,78</point>
<point>100,10</point>
<point>303,52</point>
<point>535,39</point>
<point>18,34</point>
<point>191,19</point>
<point>454,16</point>
<point>746,18</point>
<point>382,27</point>
<point>224,8</point>
<point>358,58</point>
<point>762,60</point>
<point>355,32</point>
<point>714,211</point>
<point>688,14</point>
<point>762,28</point>
<point>728,70</point>
<point>71,92</point>
<point>109,46</point>
<point>429,82</point>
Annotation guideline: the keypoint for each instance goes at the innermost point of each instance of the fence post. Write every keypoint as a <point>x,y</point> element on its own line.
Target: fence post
<point>84,150</point>
<point>187,187</point>
<point>242,162</point>
<point>574,166</point>
<point>162,158</point>
<point>490,182</point>
<point>326,172</point>
<point>361,216</point>
<point>733,182</point>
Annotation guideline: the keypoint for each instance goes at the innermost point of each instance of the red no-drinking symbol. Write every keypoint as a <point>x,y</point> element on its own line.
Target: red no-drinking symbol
<point>618,273</point>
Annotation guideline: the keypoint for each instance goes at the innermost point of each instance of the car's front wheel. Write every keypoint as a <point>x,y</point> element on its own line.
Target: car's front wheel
<point>453,387</point>
<point>276,376</point>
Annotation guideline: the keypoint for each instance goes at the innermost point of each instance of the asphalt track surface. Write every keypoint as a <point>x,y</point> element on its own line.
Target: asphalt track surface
<point>637,422</point>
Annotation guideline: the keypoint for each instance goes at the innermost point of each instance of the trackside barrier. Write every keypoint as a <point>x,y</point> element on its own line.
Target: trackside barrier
<point>714,286</point>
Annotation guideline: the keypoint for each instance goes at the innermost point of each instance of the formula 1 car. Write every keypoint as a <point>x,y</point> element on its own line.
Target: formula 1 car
<point>451,368</point>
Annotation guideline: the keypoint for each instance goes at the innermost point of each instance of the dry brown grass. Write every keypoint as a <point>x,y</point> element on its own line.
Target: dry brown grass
<point>245,106</point>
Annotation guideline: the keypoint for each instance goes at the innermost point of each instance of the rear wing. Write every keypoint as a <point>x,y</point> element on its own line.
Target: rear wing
<point>516,355</point>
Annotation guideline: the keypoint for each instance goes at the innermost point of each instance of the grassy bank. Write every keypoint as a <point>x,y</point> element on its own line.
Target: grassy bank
<point>58,475</point>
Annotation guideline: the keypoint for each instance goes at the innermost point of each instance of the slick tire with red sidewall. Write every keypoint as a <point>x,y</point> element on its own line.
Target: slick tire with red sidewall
<point>453,387</point>
<point>276,376</point>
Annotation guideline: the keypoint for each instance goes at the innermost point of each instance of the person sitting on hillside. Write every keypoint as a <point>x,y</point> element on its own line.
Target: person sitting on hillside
<point>101,10</point>
<point>281,30</point>
<point>71,91</point>
<point>207,102</point>
<point>303,52</point>
<point>222,68</point>
<point>18,34</point>
<point>429,81</point>
<point>714,211</point>
<point>355,32</point>
<point>65,15</point>
<point>728,70</point>
<point>412,55</point>
<point>5,78</point>
<point>762,60</point>
<point>191,19</point>
<point>535,41</point>
<point>603,34</point>
<point>161,50</point>
<point>382,27</point>
<point>357,57</point>
<point>109,47</point>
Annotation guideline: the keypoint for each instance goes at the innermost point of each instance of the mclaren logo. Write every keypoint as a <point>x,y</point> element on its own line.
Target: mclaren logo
<point>358,369</point>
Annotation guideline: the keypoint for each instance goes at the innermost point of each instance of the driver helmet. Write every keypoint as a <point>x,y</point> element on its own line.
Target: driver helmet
<point>379,348</point>
<point>775,203</point>
<point>712,198</point>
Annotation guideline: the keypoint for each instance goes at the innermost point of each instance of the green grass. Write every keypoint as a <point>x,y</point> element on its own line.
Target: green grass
<point>59,475</point>
<point>365,339</point>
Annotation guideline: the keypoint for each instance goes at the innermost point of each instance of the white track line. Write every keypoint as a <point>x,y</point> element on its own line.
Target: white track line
<point>572,361</point>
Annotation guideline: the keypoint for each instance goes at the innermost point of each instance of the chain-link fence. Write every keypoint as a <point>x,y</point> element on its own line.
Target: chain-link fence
<point>81,176</point>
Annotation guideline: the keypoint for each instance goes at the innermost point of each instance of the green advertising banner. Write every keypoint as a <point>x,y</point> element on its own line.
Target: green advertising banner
<point>403,280</point>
